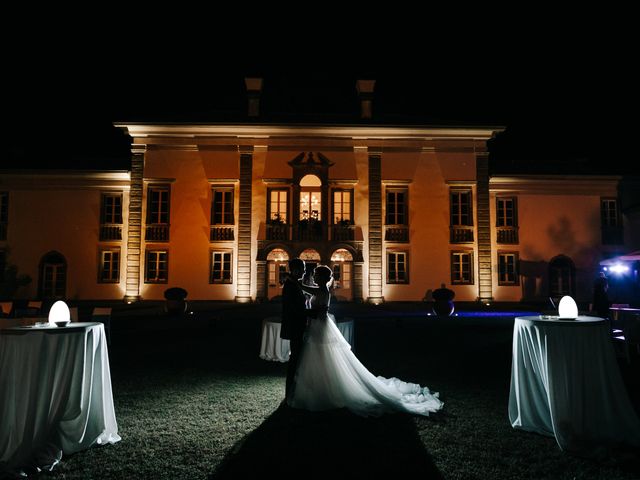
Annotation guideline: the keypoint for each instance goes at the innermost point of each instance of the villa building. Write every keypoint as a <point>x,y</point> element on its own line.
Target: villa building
<point>219,209</point>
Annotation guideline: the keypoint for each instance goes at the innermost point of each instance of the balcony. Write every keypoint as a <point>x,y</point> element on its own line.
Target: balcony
<point>221,233</point>
<point>157,232</point>
<point>461,234</point>
<point>507,235</point>
<point>110,232</point>
<point>342,233</point>
<point>396,233</point>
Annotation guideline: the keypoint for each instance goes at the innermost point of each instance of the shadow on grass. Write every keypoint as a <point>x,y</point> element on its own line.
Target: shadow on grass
<point>338,444</point>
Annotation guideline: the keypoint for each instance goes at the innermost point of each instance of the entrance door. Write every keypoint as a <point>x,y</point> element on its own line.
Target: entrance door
<point>342,281</point>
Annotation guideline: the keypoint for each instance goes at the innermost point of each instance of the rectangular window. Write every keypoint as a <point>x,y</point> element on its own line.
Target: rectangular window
<point>342,206</point>
<point>111,208</point>
<point>222,206</point>
<point>461,210</point>
<point>220,267</point>
<point>397,267</point>
<point>278,211</point>
<point>396,206</point>
<point>609,212</point>
<point>506,214</point>
<point>4,214</point>
<point>109,271</point>
<point>158,204</point>
<point>462,268</point>
<point>508,269</point>
<point>156,266</point>
<point>611,223</point>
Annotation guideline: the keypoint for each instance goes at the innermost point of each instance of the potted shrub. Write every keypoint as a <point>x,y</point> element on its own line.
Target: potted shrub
<point>176,300</point>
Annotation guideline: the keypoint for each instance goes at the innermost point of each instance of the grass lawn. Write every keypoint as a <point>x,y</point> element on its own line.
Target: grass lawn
<point>194,401</point>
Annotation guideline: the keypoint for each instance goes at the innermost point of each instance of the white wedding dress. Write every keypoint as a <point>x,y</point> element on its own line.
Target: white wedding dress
<point>330,376</point>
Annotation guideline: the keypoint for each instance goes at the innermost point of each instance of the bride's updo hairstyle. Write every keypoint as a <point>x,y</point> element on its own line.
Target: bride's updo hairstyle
<point>322,274</point>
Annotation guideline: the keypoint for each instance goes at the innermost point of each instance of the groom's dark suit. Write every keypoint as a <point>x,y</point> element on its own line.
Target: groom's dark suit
<point>294,322</point>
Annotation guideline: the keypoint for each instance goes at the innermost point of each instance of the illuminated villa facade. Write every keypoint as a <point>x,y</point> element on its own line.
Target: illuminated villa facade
<point>395,211</point>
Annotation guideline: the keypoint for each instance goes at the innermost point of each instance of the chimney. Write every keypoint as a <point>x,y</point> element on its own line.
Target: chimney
<point>254,87</point>
<point>365,92</point>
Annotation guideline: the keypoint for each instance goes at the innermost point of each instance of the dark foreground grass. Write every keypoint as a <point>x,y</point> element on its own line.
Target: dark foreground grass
<point>194,401</point>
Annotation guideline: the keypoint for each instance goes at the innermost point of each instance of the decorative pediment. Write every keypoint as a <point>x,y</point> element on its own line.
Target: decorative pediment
<point>310,161</point>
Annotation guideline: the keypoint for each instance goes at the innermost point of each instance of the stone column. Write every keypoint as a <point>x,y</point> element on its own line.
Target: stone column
<point>134,226</point>
<point>375,228</point>
<point>261,280</point>
<point>484,227</point>
<point>357,282</point>
<point>243,276</point>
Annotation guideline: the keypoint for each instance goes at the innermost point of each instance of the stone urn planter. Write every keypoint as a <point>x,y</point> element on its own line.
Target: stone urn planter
<point>176,303</point>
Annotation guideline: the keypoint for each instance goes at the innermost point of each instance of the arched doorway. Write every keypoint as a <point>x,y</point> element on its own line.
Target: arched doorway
<point>562,276</point>
<point>52,284</point>
<point>342,266</point>
<point>311,258</point>
<point>277,261</point>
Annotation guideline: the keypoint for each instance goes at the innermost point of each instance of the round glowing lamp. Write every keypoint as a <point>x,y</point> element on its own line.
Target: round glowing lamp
<point>567,309</point>
<point>59,314</point>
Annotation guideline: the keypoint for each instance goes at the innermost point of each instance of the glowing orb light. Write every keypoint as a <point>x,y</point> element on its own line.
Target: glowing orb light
<point>59,313</point>
<point>567,309</point>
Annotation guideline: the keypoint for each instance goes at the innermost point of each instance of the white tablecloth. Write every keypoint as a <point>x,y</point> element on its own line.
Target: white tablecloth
<point>55,394</point>
<point>274,348</point>
<point>565,382</point>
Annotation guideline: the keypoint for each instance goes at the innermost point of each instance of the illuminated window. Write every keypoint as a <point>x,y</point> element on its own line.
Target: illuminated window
<point>220,267</point>
<point>156,266</point>
<point>396,206</point>
<point>342,206</point>
<point>109,271</point>
<point>310,198</point>
<point>508,269</point>
<point>397,267</point>
<point>278,200</point>
<point>462,268</point>
<point>222,206</point>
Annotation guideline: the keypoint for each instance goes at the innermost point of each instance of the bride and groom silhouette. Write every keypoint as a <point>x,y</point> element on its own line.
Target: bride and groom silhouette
<point>323,373</point>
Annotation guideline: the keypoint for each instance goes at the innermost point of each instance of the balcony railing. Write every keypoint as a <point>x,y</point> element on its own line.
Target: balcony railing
<point>308,230</point>
<point>221,233</point>
<point>396,233</point>
<point>157,232</point>
<point>508,235</point>
<point>278,231</point>
<point>3,231</point>
<point>612,236</point>
<point>110,232</point>
<point>342,233</point>
<point>461,234</point>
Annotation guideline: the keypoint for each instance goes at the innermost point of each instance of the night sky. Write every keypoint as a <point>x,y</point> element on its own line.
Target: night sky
<point>563,112</point>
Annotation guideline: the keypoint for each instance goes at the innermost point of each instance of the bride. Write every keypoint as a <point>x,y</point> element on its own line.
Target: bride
<point>330,376</point>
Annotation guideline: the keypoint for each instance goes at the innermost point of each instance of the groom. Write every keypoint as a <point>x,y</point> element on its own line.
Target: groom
<point>294,319</point>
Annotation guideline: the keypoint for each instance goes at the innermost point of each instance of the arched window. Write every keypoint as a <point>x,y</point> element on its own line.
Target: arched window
<point>310,198</point>
<point>562,273</point>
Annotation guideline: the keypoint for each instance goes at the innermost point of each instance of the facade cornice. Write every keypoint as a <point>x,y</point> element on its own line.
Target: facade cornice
<point>69,179</point>
<point>556,184</point>
<point>347,132</point>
